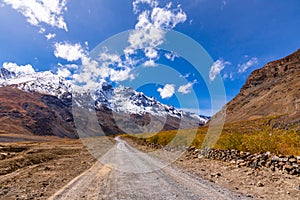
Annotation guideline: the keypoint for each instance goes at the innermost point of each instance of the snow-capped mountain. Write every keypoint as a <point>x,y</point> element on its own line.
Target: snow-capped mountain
<point>126,100</point>
<point>41,82</point>
<point>120,99</point>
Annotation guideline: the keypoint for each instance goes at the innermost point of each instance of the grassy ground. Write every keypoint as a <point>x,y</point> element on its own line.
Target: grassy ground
<point>253,136</point>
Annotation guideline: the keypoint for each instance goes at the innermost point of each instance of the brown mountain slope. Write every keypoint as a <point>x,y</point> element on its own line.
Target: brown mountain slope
<point>270,91</point>
<point>32,113</point>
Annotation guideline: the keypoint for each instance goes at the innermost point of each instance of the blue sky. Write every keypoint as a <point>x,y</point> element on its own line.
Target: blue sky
<point>239,36</point>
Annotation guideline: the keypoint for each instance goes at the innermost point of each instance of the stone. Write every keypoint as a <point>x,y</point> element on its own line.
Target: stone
<point>262,163</point>
<point>260,184</point>
<point>275,159</point>
<point>288,168</point>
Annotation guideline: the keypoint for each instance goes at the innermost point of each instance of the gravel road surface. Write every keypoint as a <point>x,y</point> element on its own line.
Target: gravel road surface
<point>126,173</point>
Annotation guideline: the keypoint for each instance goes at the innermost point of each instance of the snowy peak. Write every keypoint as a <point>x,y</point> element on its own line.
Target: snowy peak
<point>126,100</point>
<point>41,82</point>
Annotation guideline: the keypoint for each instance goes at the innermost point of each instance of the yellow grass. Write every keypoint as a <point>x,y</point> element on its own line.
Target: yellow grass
<point>253,136</point>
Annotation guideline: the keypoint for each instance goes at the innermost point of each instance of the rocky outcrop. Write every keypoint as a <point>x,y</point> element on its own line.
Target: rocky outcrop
<point>273,90</point>
<point>5,74</point>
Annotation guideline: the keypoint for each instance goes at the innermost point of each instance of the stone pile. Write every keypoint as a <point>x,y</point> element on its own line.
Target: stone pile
<point>287,164</point>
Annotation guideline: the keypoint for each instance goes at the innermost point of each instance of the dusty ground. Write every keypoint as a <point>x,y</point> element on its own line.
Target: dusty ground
<point>258,184</point>
<point>35,170</point>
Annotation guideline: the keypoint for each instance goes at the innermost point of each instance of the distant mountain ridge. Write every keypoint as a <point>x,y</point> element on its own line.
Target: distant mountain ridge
<point>273,90</point>
<point>55,93</point>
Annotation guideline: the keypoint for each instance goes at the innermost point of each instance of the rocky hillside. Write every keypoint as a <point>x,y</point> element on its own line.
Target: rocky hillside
<point>273,90</point>
<point>34,113</point>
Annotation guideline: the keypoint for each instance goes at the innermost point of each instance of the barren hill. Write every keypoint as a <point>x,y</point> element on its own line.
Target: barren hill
<point>273,90</point>
<point>34,113</point>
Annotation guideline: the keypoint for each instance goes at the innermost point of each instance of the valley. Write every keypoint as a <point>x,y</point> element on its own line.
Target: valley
<point>53,146</point>
<point>149,99</point>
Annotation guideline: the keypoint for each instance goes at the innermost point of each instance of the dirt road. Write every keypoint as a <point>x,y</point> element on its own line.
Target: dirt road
<point>130,174</point>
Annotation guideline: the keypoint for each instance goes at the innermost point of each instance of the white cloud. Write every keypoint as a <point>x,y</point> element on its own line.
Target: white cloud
<point>42,30</point>
<point>185,75</point>
<point>216,68</point>
<point>69,52</point>
<point>50,36</point>
<point>19,70</point>
<point>186,89</point>
<point>150,30</point>
<point>170,56</point>
<point>109,58</point>
<point>121,75</point>
<point>64,72</point>
<point>67,70</point>
<point>167,92</point>
<point>165,18</point>
<point>152,26</point>
<point>151,53</point>
<point>91,72</point>
<point>136,3</point>
<point>38,12</point>
<point>243,67</point>
<point>71,66</point>
<point>150,63</point>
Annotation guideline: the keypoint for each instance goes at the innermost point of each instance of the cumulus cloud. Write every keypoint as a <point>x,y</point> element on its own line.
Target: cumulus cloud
<point>150,63</point>
<point>37,12</point>
<point>121,75</point>
<point>152,26</point>
<point>69,52</point>
<point>71,66</point>
<point>167,91</point>
<point>110,58</point>
<point>186,89</point>
<point>243,67</point>
<point>151,53</point>
<point>137,3</point>
<point>216,68</point>
<point>153,22</point>
<point>149,32</point>
<point>19,70</point>
<point>92,71</point>
<point>50,36</point>
<point>67,70</point>
<point>64,72</point>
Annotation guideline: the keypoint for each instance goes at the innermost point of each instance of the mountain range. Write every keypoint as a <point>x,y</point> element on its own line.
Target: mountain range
<point>41,104</point>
